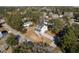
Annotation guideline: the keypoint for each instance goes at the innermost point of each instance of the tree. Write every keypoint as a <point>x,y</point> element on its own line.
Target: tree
<point>14,20</point>
<point>11,41</point>
<point>68,39</point>
<point>33,48</point>
<point>58,24</point>
<point>75,48</point>
<point>76,29</point>
<point>34,15</point>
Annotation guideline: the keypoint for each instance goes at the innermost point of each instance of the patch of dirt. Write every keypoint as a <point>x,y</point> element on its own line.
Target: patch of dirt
<point>32,35</point>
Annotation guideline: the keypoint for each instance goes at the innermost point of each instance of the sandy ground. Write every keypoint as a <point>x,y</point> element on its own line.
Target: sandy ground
<point>32,35</point>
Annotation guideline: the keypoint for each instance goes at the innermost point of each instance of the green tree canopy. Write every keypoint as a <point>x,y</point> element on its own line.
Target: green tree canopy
<point>69,38</point>
<point>33,48</point>
<point>11,41</point>
<point>34,15</point>
<point>58,24</point>
<point>14,20</point>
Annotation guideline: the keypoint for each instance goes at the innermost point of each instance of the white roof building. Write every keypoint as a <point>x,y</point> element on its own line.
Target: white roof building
<point>27,24</point>
<point>50,13</point>
<point>60,16</point>
<point>55,16</point>
<point>46,17</point>
<point>68,14</point>
<point>42,27</point>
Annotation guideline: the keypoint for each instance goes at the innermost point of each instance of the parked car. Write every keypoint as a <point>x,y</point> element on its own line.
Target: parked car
<point>4,32</point>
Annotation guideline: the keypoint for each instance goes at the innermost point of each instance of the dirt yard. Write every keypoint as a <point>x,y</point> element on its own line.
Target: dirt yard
<point>32,35</point>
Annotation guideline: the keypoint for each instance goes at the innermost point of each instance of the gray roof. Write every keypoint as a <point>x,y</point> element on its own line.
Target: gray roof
<point>41,24</point>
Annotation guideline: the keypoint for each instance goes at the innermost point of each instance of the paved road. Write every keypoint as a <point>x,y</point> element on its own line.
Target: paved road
<point>15,32</point>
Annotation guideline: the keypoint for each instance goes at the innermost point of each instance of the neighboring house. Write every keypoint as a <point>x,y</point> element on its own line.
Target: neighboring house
<point>42,27</point>
<point>50,14</point>
<point>44,14</point>
<point>27,24</point>
<point>72,21</point>
<point>45,22</point>
<point>46,17</point>
<point>68,14</point>
<point>55,16</point>
<point>24,20</point>
<point>60,16</point>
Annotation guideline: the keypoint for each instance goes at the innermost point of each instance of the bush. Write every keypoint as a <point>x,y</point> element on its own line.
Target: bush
<point>11,41</point>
